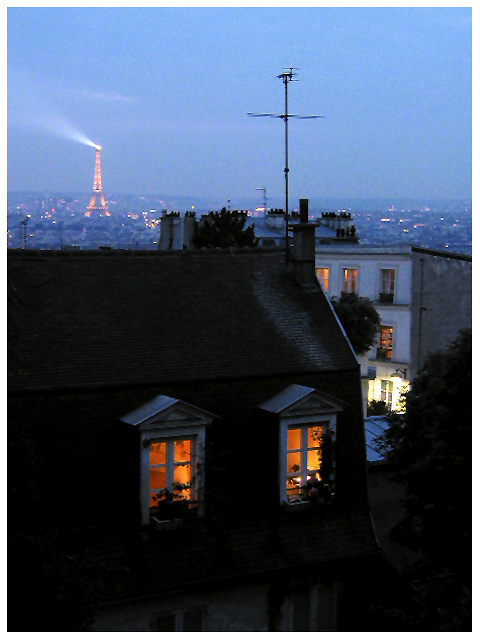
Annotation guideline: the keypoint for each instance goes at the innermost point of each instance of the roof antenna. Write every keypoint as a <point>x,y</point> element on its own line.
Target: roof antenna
<point>286,76</point>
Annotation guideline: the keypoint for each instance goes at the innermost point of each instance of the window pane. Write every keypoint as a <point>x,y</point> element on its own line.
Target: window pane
<point>313,459</point>
<point>158,478</point>
<point>293,439</point>
<point>182,450</point>
<point>293,462</point>
<point>158,452</point>
<point>322,275</point>
<point>181,473</point>
<point>314,435</point>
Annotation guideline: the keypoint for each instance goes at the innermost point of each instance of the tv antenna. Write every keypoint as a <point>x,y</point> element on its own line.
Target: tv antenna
<point>287,75</point>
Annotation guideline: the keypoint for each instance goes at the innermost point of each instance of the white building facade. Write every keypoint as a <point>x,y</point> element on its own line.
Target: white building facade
<point>423,297</point>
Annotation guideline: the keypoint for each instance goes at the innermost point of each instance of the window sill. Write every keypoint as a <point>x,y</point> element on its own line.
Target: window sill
<point>175,523</point>
<point>304,505</point>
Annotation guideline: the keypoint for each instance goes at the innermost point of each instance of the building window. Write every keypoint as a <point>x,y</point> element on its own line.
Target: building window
<point>179,621</point>
<point>349,281</point>
<point>387,285</point>
<point>304,457</point>
<point>384,351</point>
<point>171,439</point>
<point>322,275</point>
<point>170,472</point>
<point>307,421</point>
<point>386,392</point>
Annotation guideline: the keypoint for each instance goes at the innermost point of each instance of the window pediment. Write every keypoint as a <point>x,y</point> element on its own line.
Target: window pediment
<point>165,412</point>
<point>297,400</point>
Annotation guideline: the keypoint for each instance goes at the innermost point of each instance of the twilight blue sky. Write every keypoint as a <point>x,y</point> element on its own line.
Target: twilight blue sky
<point>166,92</point>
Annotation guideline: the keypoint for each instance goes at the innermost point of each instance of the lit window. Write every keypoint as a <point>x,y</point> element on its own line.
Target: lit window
<point>387,285</point>
<point>304,457</point>
<point>322,275</point>
<point>386,392</point>
<point>349,283</point>
<point>170,472</point>
<point>384,351</point>
<point>172,451</point>
<point>307,421</point>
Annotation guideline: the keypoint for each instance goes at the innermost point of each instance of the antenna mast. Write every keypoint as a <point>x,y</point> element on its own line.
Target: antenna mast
<point>286,76</point>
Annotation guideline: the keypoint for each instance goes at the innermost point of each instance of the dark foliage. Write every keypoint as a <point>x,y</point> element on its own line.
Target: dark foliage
<point>52,584</point>
<point>360,320</point>
<point>224,230</point>
<point>377,408</point>
<point>430,447</point>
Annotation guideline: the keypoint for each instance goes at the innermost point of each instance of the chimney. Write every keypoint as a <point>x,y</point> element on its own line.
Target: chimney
<point>304,248</point>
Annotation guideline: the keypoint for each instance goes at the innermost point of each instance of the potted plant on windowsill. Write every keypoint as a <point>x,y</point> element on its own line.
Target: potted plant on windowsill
<point>317,492</point>
<point>172,506</point>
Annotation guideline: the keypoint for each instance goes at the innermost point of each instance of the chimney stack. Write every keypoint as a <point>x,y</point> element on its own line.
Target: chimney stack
<point>304,248</point>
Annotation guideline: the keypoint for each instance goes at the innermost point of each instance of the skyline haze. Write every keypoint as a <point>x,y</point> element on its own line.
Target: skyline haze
<point>166,93</point>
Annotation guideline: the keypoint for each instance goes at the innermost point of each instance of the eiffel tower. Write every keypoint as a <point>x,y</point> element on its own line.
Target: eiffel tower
<point>97,201</point>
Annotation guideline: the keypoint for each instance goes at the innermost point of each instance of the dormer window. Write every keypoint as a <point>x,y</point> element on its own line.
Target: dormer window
<point>170,470</point>
<point>307,431</point>
<point>304,459</point>
<point>171,457</point>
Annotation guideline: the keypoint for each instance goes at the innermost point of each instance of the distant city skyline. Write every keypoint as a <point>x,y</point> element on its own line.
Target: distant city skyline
<point>166,92</point>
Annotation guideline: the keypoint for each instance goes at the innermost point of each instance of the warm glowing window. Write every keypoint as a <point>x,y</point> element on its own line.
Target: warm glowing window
<point>387,285</point>
<point>303,458</point>
<point>386,341</point>
<point>322,275</point>
<point>386,392</point>
<point>349,283</point>
<point>170,470</point>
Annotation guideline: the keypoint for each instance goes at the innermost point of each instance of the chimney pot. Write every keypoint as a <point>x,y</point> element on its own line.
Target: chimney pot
<point>304,247</point>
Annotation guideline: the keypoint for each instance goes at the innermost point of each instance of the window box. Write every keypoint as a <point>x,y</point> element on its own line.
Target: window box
<point>386,297</point>
<point>382,354</point>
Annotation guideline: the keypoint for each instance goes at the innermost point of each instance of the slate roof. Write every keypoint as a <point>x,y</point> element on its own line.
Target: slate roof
<point>104,333</point>
<point>87,319</point>
<point>296,541</point>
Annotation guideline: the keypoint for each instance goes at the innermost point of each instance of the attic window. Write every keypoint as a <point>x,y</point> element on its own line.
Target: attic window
<point>171,456</point>
<point>304,458</point>
<point>307,420</point>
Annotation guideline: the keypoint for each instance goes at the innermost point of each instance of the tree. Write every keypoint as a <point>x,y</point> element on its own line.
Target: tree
<point>430,448</point>
<point>224,229</point>
<point>359,319</point>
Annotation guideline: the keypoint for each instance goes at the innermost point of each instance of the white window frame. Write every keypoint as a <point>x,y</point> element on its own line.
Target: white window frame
<point>322,279</point>
<point>170,462</point>
<point>328,422</point>
<point>342,278</point>
<point>149,437</point>
<point>380,279</point>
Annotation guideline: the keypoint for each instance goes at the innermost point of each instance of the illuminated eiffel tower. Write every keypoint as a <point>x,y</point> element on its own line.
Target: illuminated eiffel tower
<point>97,201</point>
